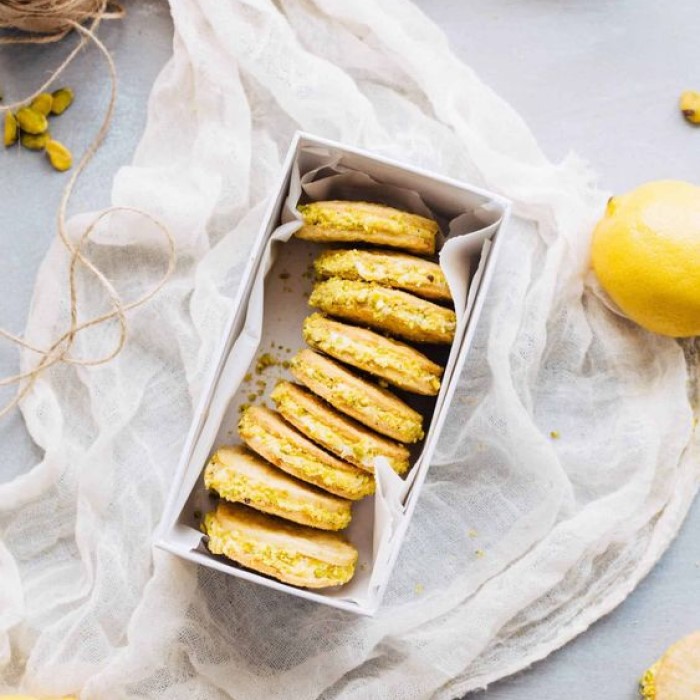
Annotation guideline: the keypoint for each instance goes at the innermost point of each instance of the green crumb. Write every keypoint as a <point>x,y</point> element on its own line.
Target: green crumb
<point>472,534</point>
<point>261,383</point>
<point>264,361</point>
<point>419,588</point>
<point>247,377</point>
<point>554,435</point>
<point>310,272</point>
<point>252,397</point>
<point>243,407</point>
<point>286,364</point>
<point>480,553</point>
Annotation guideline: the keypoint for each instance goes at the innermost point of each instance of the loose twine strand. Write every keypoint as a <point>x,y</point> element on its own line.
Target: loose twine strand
<point>49,21</point>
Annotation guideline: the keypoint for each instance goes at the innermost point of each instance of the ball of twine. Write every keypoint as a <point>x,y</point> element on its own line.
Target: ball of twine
<point>45,21</point>
<point>50,20</point>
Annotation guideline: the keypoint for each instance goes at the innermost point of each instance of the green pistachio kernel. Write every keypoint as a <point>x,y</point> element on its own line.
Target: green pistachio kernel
<point>42,103</point>
<point>35,142</point>
<point>10,129</point>
<point>31,121</point>
<point>62,100</point>
<point>59,156</point>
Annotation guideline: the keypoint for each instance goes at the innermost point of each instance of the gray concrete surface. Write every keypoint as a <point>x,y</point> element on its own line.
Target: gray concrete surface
<point>597,77</point>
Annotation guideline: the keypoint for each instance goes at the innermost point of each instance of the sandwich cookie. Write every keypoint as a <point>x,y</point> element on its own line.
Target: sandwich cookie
<point>390,310</point>
<point>374,407</point>
<point>407,272</point>
<point>363,222</point>
<point>266,433</point>
<point>338,434</point>
<point>286,551</point>
<point>239,475</point>
<point>397,363</point>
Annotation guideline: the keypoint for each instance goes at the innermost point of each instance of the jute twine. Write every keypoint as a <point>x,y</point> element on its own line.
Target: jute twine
<point>46,21</point>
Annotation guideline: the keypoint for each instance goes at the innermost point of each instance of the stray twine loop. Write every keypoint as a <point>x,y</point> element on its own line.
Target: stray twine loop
<point>49,21</point>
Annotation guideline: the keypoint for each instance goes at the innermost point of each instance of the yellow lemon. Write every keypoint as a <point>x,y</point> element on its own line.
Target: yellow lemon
<point>676,675</point>
<point>646,254</point>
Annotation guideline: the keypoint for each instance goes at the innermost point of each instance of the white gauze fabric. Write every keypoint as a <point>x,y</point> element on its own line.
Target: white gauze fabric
<point>520,540</point>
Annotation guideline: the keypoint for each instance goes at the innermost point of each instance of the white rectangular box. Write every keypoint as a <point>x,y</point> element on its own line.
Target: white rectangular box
<point>269,310</point>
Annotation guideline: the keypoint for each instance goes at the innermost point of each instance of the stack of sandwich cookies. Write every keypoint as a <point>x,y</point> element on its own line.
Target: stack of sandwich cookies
<point>295,554</point>
<point>304,464</point>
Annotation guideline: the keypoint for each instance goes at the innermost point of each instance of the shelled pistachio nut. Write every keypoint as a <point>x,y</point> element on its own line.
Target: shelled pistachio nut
<point>690,106</point>
<point>59,156</point>
<point>35,142</point>
<point>10,129</point>
<point>31,121</point>
<point>62,100</point>
<point>42,103</point>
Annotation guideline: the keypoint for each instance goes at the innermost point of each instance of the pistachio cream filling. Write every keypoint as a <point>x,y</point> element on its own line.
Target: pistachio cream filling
<point>355,400</point>
<point>375,359</point>
<point>350,480</point>
<point>349,219</point>
<point>336,294</point>
<point>242,549</point>
<point>239,488</point>
<point>395,273</point>
<point>358,449</point>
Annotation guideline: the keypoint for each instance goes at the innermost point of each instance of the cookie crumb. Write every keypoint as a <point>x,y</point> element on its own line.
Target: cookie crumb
<point>264,361</point>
